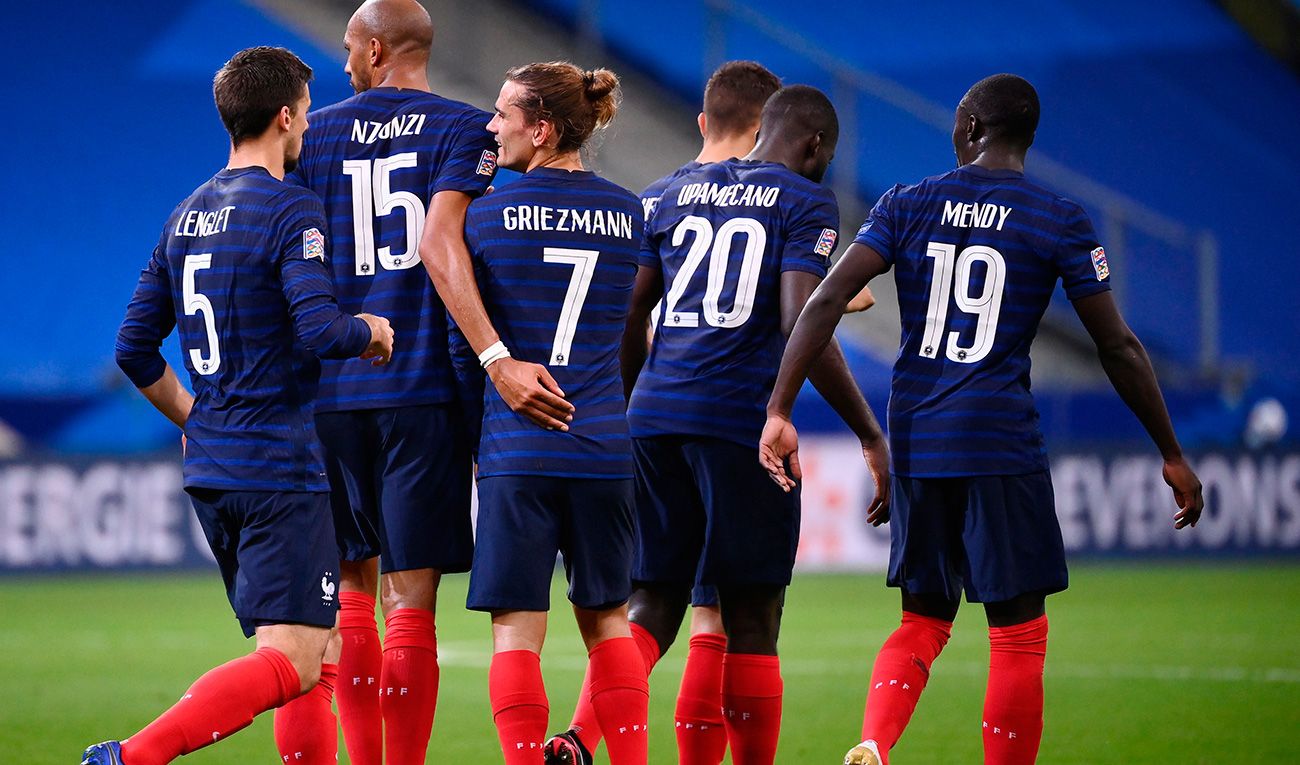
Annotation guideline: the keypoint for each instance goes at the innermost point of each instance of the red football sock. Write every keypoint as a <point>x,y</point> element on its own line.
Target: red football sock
<point>358,686</point>
<point>899,675</point>
<point>519,706</point>
<point>701,737</point>
<point>306,732</point>
<point>1013,703</point>
<point>221,702</point>
<point>584,722</point>
<point>408,685</point>
<point>751,706</point>
<point>620,695</point>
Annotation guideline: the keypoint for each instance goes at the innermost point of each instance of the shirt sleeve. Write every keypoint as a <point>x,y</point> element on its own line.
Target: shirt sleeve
<point>1080,259</point>
<point>150,318</point>
<point>814,231</point>
<point>471,161</point>
<point>877,231</point>
<point>318,321</point>
<point>648,255</point>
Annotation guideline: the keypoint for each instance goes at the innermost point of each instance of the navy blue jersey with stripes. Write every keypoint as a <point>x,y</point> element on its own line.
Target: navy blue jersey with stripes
<point>555,254</point>
<point>240,270</point>
<point>377,159</point>
<point>723,235</point>
<point>976,255</point>
<point>650,196</point>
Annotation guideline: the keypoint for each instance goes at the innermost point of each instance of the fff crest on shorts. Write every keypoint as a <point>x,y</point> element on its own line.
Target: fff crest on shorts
<point>1099,263</point>
<point>826,242</point>
<point>487,163</point>
<point>313,244</point>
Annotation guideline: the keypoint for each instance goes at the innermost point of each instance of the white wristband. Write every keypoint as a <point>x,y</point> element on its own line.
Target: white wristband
<point>494,352</point>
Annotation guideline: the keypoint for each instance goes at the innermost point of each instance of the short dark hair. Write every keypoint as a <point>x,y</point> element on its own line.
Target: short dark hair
<point>1008,107</point>
<point>735,94</point>
<point>798,110</point>
<point>252,87</point>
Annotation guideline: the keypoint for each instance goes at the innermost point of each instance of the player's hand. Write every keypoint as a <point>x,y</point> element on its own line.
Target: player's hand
<point>529,389</point>
<point>861,301</point>
<point>1187,492</point>
<point>780,441</point>
<point>876,453</point>
<point>381,339</point>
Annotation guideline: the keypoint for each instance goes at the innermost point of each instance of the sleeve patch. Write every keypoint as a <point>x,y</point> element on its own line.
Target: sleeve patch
<point>1099,263</point>
<point>313,244</point>
<point>826,242</point>
<point>487,163</point>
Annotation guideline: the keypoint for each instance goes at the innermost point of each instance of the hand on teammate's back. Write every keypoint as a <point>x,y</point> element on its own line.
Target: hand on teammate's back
<point>529,389</point>
<point>381,339</point>
<point>876,453</point>
<point>1187,492</point>
<point>779,442</point>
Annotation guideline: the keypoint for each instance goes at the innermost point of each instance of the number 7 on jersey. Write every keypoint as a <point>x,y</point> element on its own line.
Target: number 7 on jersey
<point>584,266</point>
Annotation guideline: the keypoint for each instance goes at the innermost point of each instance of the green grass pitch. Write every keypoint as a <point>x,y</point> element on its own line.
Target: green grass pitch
<point>1169,663</point>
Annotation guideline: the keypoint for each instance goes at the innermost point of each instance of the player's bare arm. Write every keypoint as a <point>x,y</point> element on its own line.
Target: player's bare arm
<point>811,333</point>
<point>170,397</point>
<point>527,388</point>
<point>646,291</point>
<point>831,377</point>
<point>1127,365</point>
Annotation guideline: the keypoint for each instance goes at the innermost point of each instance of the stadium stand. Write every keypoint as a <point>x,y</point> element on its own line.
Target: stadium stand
<point>1148,154</point>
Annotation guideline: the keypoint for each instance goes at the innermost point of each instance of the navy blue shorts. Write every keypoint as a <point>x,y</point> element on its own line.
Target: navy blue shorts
<point>524,520</point>
<point>400,484</point>
<point>996,536</point>
<point>708,514</point>
<point>276,553</point>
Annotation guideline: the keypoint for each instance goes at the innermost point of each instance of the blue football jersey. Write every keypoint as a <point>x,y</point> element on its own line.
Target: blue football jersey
<point>976,255</point>
<point>555,255</point>
<point>241,270</point>
<point>650,196</point>
<point>377,159</point>
<point>723,235</point>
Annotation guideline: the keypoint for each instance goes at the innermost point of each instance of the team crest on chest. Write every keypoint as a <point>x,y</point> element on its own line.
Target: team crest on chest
<point>1099,263</point>
<point>313,244</point>
<point>826,242</point>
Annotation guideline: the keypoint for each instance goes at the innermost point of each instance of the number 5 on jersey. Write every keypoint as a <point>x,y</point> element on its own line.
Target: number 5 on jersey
<point>986,305</point>
<point>197,302</point>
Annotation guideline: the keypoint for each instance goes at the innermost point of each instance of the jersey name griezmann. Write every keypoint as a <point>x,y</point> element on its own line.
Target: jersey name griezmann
<point>585,221</point>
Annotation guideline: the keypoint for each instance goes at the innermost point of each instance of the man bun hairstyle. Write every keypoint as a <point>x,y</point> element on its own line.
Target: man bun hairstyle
<point>576,102</point>
<point>734,97</point>
<point>1007,105</point>
<point>254,85</point>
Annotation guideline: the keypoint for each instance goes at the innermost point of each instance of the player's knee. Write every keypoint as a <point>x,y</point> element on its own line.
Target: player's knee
<point>334,647</point>
<point>599,625</point>
<point>752,618</point>
<point>417,588</point>
<point>659,608</point>
<point>1017,610</point>
<point>302,645</point>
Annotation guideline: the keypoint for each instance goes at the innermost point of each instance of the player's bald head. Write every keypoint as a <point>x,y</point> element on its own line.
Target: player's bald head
<point>1007,107</point>
<point>402,27</point>
<point>800,111</point>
